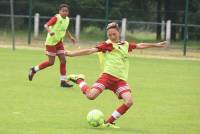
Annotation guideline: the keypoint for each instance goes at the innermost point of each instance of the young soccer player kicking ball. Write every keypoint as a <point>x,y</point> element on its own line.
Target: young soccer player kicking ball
<point>57,29</point>
<point>115,70</point>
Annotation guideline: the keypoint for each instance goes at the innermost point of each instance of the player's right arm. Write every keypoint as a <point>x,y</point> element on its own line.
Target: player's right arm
<point>102,47</point>
<point>51,22</point>
<point>81,52</point>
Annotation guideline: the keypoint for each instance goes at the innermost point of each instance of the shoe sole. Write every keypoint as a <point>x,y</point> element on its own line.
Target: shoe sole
<point>29,75</point>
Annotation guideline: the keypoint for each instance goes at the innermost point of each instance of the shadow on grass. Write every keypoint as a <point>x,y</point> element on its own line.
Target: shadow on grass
<point>120,130</point>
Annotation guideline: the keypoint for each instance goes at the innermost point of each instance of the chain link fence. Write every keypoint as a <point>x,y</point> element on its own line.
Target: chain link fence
<point>92,27</point>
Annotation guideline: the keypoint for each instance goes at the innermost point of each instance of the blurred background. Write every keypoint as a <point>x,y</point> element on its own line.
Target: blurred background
<point>176,21</point>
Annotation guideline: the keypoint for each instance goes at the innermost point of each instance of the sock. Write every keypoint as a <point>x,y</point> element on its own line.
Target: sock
<point>117,113</point>
<point>36,68</point>
<point>62,78</point>
<point>62,72</point>
<point>42,66</point>
<point>83,85</point>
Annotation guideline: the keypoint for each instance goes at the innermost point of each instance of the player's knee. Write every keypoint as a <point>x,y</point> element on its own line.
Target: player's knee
<point>129,102</point>
<point>91,97</point>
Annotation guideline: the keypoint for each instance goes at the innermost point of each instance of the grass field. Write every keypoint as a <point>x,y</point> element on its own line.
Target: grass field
<point>166,97</point>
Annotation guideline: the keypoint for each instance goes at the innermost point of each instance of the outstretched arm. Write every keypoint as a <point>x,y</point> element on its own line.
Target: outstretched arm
<point>81,52</point>
<point>150,45</point>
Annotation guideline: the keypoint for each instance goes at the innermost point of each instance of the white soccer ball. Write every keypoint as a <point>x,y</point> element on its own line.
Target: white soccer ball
<point>95,118</point>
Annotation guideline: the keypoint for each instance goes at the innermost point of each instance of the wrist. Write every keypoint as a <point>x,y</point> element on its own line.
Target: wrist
<point>49,31</point>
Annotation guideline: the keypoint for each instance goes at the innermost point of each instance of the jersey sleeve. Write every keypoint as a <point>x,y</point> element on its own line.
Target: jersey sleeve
<point>103,47</point>
<point>132,46</point>
<point>52,21</point>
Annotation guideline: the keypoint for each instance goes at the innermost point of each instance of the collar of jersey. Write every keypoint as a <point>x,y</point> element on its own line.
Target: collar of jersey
<point>119,43</point>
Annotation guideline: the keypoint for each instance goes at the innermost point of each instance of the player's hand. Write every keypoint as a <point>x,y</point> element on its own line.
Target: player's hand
<point>67,53</point>
<point>161,44</point>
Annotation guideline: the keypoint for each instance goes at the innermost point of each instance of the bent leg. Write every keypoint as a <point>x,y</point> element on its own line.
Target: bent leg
<point>90,93</point>
<point>126,96</point>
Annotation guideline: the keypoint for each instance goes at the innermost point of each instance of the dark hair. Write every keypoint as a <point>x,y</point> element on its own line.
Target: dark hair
<point>63,5</point>
<point>112,25</point>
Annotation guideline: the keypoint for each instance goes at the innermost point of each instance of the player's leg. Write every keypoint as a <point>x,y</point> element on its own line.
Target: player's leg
<point>43,65</point>
<point>90,93</point>
<point>126,96</point>
<point>51,53</point>
<point>63,82</point>
<point>124,93</point>
<point>60,52</point>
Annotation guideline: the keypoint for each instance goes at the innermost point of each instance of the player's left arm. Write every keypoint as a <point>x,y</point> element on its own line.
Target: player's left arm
<point>150,45</point>
<point>69,35</point>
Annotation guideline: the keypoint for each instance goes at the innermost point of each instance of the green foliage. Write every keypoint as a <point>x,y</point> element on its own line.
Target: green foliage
<point>137,10</point>
<point>92,33</point>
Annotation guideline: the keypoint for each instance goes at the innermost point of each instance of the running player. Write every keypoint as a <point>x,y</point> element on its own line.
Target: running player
<point>57,28</point>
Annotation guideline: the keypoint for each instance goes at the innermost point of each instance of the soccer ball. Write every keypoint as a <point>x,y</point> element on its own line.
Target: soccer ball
<point>95,118</point>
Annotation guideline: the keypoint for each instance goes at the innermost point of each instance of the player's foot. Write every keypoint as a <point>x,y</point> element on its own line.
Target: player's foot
<point>109,125</point>
<point>75,77</point>
<point>31,73</point>
<point>65,84</point>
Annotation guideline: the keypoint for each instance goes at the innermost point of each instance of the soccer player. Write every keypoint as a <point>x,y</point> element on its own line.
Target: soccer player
<point>115,70</point>
<point>57,28</point>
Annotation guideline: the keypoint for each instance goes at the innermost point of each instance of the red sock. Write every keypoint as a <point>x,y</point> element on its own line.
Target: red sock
<point>62,71</point>
<point>43,65</point>
<point>83,85</point>
<point>117,113</point>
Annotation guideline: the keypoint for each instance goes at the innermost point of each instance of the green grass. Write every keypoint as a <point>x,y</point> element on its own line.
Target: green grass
<point>166,97</point>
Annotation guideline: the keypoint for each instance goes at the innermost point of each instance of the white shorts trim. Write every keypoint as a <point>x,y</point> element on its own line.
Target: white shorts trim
<point>99,85</point>
<point>60,52</point>
<point>121,89</point>
<point>50,53</point>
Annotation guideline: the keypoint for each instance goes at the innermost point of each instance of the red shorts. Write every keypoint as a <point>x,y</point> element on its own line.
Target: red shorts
<point>107,81</point>
<point>55,49</point>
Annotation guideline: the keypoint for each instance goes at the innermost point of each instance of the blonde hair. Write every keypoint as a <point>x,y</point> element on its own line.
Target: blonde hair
<point>112,25</point>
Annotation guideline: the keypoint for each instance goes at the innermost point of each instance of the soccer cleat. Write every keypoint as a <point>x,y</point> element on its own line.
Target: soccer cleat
<point>109,125</point>
<point>75,77</point>
<point>65,84</point>
<point>31,73</point>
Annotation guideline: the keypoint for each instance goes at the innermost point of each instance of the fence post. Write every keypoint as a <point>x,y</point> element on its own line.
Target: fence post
<point>123,30</point>
<point>106,17</point>
<point>36,24</point>
<point>77,27</point>
<point>30,21</point>
<point>168,32</point>
<point>12,23</point>
<point>163,30</point>
<point>186,27</point>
